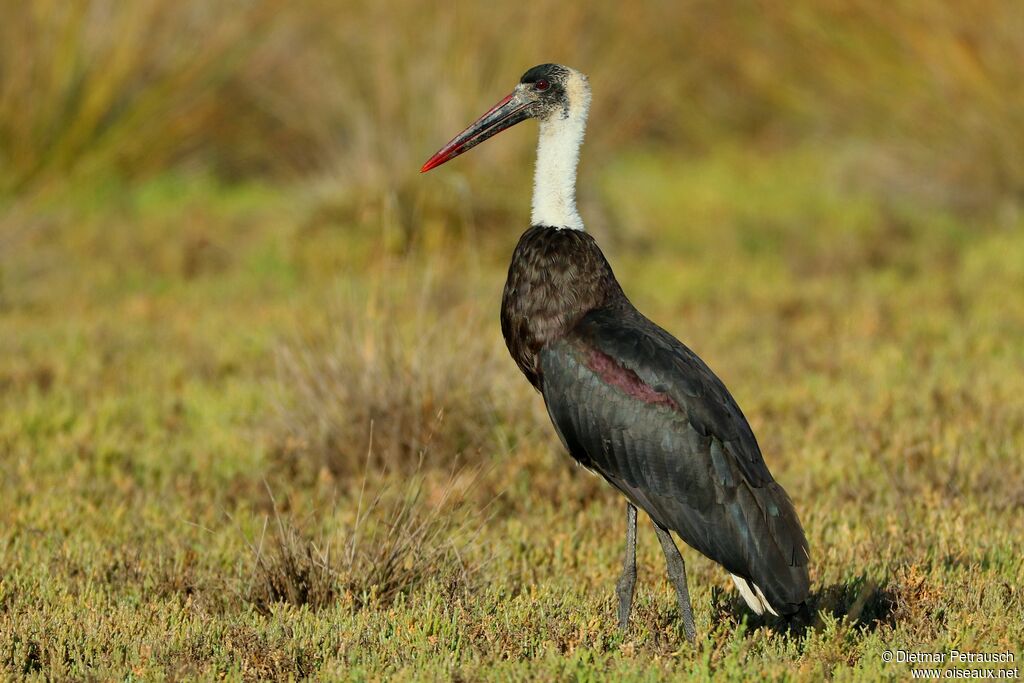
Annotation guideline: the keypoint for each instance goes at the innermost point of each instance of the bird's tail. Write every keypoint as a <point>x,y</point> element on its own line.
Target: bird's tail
<point>797,621</point>
<point>753,596</point>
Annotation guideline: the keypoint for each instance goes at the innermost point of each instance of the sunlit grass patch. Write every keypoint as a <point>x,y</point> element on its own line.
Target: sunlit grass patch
<point>146,408</point>
<point>391,544</point>
<point>407,366</point>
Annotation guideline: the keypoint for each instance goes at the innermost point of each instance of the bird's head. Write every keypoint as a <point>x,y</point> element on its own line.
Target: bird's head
<point>546,92</point>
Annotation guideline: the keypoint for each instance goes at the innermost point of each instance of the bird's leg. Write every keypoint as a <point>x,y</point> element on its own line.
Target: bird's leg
<point>627,582</point>
<point>677,575</point>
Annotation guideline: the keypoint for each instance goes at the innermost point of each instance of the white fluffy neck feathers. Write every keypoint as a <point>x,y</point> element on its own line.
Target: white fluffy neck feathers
<point>558,153</point>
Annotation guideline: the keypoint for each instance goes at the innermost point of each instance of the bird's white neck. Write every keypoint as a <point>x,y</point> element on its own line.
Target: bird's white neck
<point>558,154</point>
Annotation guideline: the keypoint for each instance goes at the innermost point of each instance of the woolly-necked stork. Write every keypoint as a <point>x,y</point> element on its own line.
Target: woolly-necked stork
<point>628,400</point>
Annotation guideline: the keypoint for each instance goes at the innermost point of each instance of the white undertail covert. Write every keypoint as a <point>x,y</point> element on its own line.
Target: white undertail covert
<point>753,596</point>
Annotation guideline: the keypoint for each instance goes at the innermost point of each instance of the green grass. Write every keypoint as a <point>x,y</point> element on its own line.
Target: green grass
<point>179,443</point>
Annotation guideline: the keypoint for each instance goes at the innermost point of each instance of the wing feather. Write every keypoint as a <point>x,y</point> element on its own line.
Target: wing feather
<point>634,404</point>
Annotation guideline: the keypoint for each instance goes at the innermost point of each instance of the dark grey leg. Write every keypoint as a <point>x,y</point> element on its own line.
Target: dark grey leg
<point>627,582</point>
<point>677,575</point>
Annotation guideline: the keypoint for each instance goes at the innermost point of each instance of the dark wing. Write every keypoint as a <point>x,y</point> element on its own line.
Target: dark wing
<point>634,404</point>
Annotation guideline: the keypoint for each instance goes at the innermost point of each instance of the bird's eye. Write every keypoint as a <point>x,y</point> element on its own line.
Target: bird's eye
<point>542,85</point>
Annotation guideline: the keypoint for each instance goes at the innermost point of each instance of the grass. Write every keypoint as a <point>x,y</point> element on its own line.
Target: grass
<point>170,358</point>
<point>390,548</point>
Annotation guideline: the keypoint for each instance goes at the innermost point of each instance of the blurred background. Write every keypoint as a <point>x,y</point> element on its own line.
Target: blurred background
<point>902,99</point>
<point>226,293</point>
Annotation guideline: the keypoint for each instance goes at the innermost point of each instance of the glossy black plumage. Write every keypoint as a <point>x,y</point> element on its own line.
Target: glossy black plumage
<point>635,405</point>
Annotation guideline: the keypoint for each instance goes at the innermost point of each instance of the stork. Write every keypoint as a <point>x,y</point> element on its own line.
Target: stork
<point>628,400</point>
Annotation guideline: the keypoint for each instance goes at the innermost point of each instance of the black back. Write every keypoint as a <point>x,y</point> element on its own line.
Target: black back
<point>632,403</point>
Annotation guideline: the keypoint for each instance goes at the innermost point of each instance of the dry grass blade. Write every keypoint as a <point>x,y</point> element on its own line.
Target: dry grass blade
<point>422,368</point>
<point>294,570</point>
<point>399,543</point>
